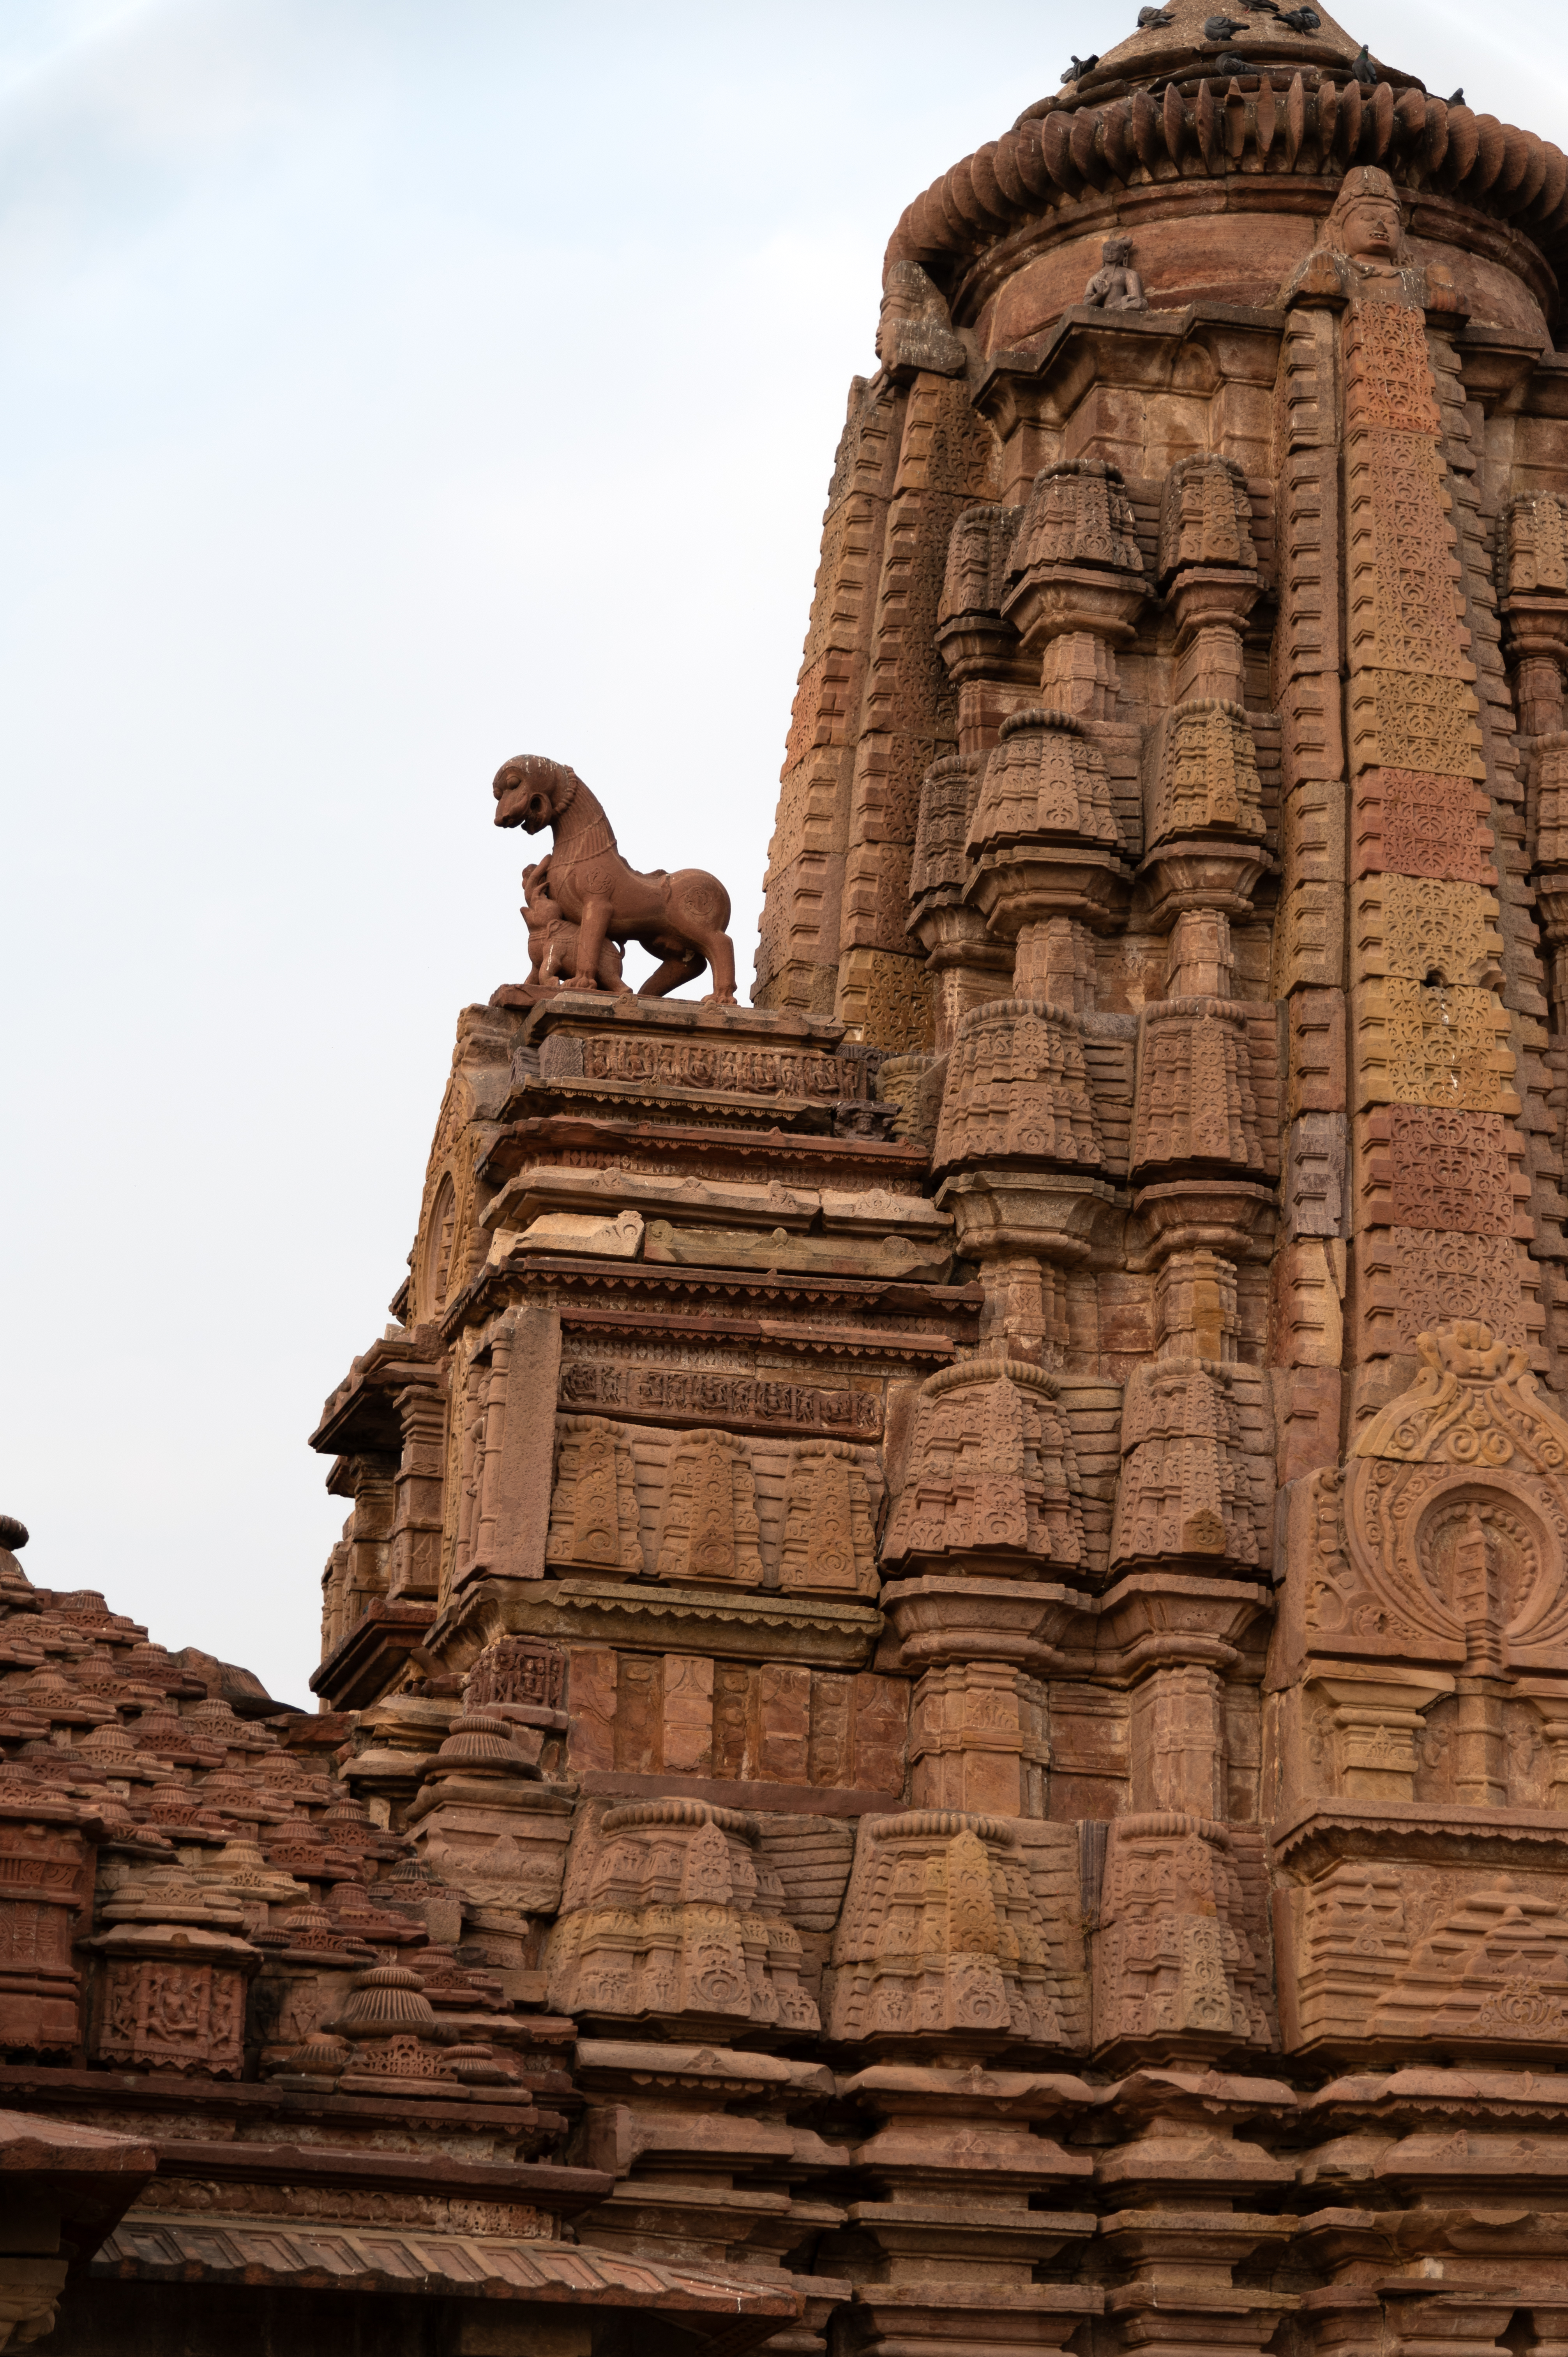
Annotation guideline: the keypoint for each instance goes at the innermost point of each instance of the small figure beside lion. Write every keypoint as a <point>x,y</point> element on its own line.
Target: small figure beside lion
<point>582,902</point>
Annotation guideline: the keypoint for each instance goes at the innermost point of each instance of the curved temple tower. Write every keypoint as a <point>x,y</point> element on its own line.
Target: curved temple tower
<point>955,1602</point>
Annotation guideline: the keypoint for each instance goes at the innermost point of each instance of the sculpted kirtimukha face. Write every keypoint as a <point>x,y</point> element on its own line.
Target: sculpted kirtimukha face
<point>1371,227</point>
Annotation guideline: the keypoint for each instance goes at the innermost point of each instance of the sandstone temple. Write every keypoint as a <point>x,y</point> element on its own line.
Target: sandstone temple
<point>943,1706</point>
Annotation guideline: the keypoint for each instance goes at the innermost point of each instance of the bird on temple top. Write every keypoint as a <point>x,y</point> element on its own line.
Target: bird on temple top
<point>1301,20</point>
<point>1365,72</point>
<point>1456,97</point>
<point>1223,29</point>
<point>1230,63</point>
<point>1148,18</point>
<point>1079,67</point>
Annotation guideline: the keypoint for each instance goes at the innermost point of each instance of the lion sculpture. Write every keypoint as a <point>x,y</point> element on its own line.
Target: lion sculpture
<point>680,918</point>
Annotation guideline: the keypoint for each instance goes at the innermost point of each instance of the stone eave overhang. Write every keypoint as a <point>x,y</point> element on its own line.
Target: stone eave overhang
<point>523,1141</point>
<point>649,1616</point>
<point>645,1296</point>
<point>361,1665</point>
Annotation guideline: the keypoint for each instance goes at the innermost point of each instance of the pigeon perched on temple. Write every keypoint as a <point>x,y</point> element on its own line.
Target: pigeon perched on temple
<point>1079,68</point>
<point>1456,97</point>
<point>1301,20</point>
<point>1365,72</point>
<point>1229,62</point>
<point>1223,29</point>
<point>1149,17</point>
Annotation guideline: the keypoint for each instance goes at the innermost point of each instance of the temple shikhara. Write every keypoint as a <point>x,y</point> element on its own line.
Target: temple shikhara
<point>944,1699</point>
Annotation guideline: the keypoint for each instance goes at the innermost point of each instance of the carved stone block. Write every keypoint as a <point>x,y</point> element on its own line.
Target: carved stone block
<point>1306,1323</point>
<point>708,1529</point>
<point>1077,513</point>
<point>1399,721</point>
<point>1317,1175</point>
<point>593,1510</point>
<point>1017,1085</point>
<point>828,1544</point>
<point>1424,932</point>
<point>1043,779</point>
<point>1403,598</point>
<point>1181,1954</point>
<point>1195,1100</point>
<point>1416,822</point>
<point>1388,377</point>
<point>1197,1472</point>
<point>171,1997</point>
<point>1420,1167</point>
<point>954,1929</point>
<point>1411,1279</point>
<point>1205,516</point>
<point>673,1914</point>
<point>1437,1047</point>
<point>989,1470</point>
<point>1532,546</point>
<point>939,867</point>
<point>1445,1543</point>
<point>1200,773</point>
<point>46,1878</point>
<point>1317,1040</point>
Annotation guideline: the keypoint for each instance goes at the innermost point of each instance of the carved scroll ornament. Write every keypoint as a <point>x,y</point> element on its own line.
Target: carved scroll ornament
<point>1448,1540</point>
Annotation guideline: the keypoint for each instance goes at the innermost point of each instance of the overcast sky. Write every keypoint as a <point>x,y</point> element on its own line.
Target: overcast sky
<point>387,386</point>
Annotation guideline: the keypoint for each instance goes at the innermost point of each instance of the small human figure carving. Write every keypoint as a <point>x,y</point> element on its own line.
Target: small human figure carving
<point>1116,286</point>
<point>552,940</point>
<point>680,918</point>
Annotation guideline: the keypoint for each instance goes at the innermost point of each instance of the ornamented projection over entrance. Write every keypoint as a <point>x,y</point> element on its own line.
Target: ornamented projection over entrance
<point>944,1700</point>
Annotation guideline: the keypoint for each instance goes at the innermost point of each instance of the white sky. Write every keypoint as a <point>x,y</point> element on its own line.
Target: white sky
<point>387,386</point>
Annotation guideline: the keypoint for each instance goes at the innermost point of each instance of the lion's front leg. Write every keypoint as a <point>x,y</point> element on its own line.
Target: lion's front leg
<point>591,929</point>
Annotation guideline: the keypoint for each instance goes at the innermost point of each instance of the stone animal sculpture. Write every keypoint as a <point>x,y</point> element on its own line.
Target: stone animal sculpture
<point>680,918</point>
